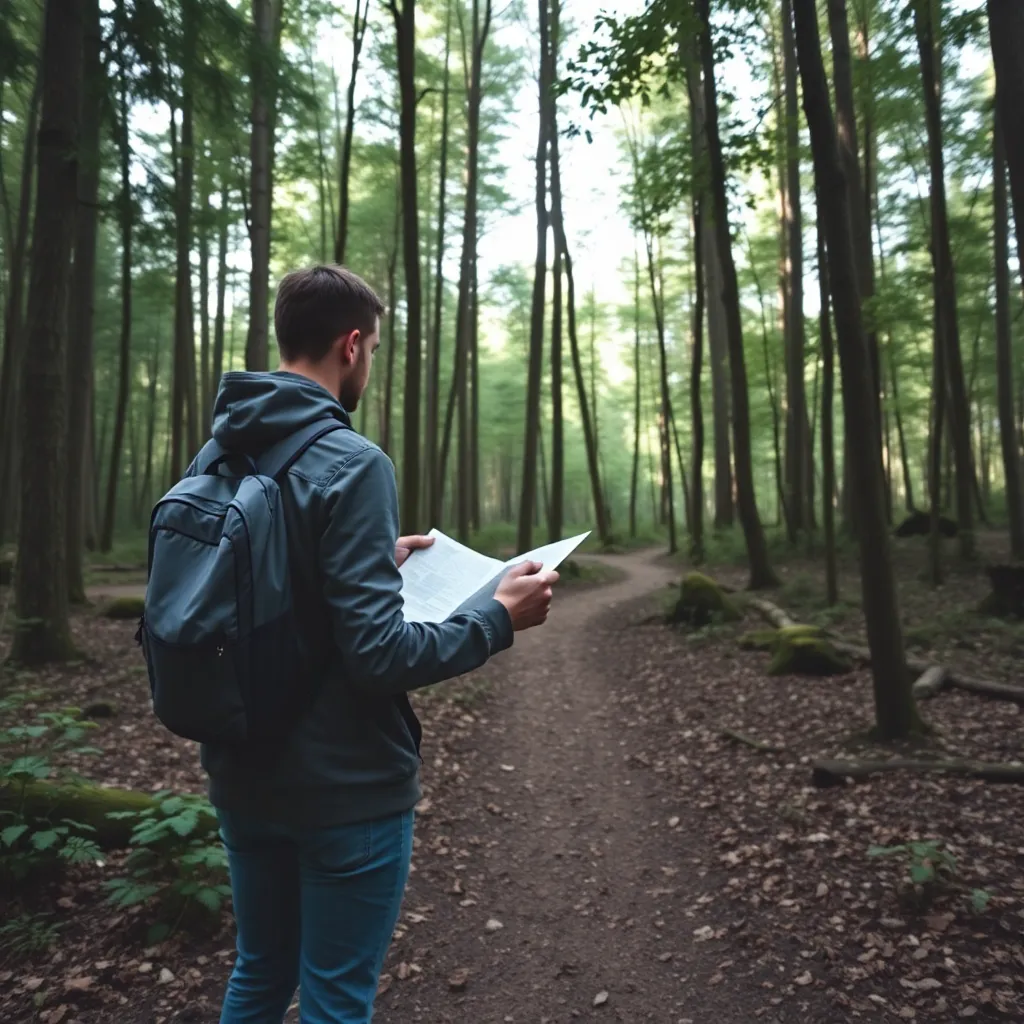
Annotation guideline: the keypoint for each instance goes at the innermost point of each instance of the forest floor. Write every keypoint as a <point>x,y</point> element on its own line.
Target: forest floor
<point>592,846</point>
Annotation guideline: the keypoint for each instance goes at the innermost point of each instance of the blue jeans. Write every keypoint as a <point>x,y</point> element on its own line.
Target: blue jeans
<point>315,908</point>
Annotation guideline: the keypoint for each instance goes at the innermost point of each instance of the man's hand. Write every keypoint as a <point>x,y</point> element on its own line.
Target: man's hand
<point>526,592</point>
<point>407,545</point>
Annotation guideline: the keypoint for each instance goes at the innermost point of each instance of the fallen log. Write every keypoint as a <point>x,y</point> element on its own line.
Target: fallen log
<point>931,682</point>
<point>91,805</point>
<point>749,741</point>
<point>836,773</point>
<point>983,687</point>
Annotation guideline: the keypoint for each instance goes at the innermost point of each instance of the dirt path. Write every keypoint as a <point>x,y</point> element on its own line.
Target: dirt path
<point>557,835</point>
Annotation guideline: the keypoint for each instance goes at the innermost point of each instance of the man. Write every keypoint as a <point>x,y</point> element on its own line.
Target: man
<point>319,830</point>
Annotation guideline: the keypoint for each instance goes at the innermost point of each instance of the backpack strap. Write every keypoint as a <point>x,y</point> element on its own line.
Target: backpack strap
<point>280,457</point>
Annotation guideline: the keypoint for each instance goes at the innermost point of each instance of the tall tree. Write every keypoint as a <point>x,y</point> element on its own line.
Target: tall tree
<point>183,331</point>
<point>403,13</point>
<point>895,710</point>
<point>223,225</point>
<point>528,495</point>
<point>797,460</point>
<point>828,448</point>
<point>557,505</point>
<point>1004,350</point>
<point>761,573</point>
<point>359,20</point>
<point>14,325</point>
<point>434,480</point>
<point>695,517</point>
<point>846,126</point>
<point>81,305</point>
<point>1006,30</point>
<point>41,592</point>
<point>267,23</point>
<point>926,26</point>
<point>635,475</point>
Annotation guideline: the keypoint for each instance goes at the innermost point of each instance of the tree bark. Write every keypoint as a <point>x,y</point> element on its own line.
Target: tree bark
<point>528,496</point>
<point>40,578</point>
<point>405,36</point>
<point>434,479</point>
<point>796,398</point>
<point>557,517</point>
<point>203,225</point>
<point>1004,347</point>
<point>127,218</point>
<point>359,20</point>
<point>846,126</point>
<point>634,479</point>
<point>222,288</point>
<point>895,710</point>
<point>828,448</point>
<point>942,259</point>
<point>82,305</point>
<point>266,17</point>
<point>761,573</point>
<point>14,326</point>
<point>1006,29</point>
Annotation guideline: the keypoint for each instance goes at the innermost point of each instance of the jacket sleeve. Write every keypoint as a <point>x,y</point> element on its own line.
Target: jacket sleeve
<point>381,652</point>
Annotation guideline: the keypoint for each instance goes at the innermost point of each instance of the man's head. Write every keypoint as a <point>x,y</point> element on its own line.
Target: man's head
<point>327,321</point>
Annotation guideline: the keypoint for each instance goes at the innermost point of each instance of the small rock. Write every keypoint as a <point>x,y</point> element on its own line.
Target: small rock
<point>822,890</point>
<point>145,968</point>
<point>166,977</point>
<point>804,979</point>
<point>78,984</point>
<point>493,925</point>
<point>665,957</point>
<point>601,998</point>
<point>673,822</point>
<point>459,979</point>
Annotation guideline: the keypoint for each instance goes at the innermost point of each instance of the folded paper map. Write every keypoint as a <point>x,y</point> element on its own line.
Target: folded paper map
<point>449,577</point>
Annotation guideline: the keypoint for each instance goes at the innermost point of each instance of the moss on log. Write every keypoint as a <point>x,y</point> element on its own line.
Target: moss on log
<point>759,640</point>
<point>88,804</point>
<point>702,601</point>
<point>124,608</point>
<point>806,651</point>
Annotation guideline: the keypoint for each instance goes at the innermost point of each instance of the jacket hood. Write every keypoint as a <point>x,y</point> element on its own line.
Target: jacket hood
<point>255,410</point>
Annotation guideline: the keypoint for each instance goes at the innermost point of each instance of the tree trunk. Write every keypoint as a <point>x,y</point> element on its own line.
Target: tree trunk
<point>40,577</point>
<point>389,377</point>
<point>942,258</point>
<point>635,475</point>
<point>359,20</point>
<point>846,125</point>
<point>434,479</point>
<point>696,514</point>
<point>1006,29</point>
<point>81,305</point>
<point>222,288</point>
<point>761,574</point>
<point>146,488</point>
<point>895,710</point>
<point>405,34</point>
<point>203,224</point>
<point>14,327</point>
<point>796,398</point>
<point>828,448</point>
<point>126,204</point>
<point>665,412</point>
<point>266,18</point>
<point>1004,348</point>
<point>528,496</point>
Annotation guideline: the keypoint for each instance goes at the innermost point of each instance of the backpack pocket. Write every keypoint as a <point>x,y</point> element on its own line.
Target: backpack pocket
<point>196,688</point>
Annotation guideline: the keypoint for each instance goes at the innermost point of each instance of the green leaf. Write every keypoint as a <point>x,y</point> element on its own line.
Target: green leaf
<point>44,840</point>
<point>921,873</point>
<point>209,898</point>
<point>10,835</point>
<point>184,823</point>
<point>28,768</point>
<point>157,933</point>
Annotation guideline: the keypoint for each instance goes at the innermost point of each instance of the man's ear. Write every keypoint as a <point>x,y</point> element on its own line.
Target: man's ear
<point>350,347</point>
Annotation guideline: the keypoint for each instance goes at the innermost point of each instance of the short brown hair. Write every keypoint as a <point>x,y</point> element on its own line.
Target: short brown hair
<point>317,305</point>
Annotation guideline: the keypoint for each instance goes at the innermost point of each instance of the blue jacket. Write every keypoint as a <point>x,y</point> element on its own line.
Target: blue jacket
<point>354,754</point>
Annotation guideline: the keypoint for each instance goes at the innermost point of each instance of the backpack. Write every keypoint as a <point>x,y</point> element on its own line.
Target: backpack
<point>219,630</point>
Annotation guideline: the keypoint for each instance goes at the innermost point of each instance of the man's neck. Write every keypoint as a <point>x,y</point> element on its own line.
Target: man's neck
<point>315,372</point>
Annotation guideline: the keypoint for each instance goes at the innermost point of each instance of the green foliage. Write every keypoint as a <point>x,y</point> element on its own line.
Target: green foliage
<point>805,650</point>
<point>28,934</point>
<point>928,862</point>
<point>173,860</point>
<point>29,845</point>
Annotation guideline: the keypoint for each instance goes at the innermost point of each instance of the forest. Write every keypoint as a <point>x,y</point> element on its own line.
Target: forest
<point>735,285</point>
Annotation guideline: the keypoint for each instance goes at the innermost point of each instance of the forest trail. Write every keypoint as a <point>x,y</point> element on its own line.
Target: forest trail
<point>553,830</point>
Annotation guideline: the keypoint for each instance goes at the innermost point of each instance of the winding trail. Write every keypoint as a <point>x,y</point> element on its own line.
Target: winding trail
<point>554,831</point>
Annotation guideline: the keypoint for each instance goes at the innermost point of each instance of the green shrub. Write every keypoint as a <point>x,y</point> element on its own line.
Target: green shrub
<point>129,607</point>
